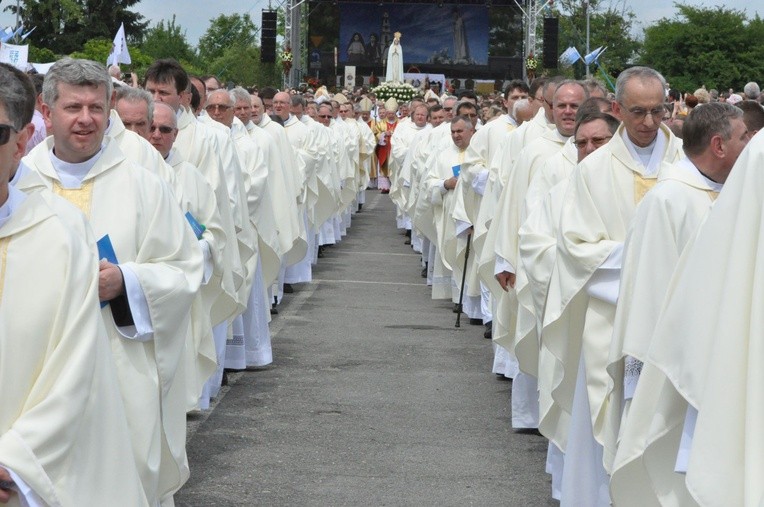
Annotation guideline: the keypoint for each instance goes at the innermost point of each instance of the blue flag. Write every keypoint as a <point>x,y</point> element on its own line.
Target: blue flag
<point>570,56</point>
<point>594,56</point>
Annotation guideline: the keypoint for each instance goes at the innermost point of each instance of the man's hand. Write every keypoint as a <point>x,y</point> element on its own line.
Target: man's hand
<point>109,281</point>
<point>450,183</point>
<point>5,494</point>
<point>506,280</point>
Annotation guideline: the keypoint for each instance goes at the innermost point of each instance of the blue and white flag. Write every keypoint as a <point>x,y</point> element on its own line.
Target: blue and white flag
<point>119,53</point>
<point>28,33</point>
<point>594,56</point>
<point>6,34</point>
<point>570,56</point>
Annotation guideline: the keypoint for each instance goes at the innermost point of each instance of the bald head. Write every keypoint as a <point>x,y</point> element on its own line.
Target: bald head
<point>257,109</point>
<point>281,105</point>
<point>164,128</point>
<point>220,107</point>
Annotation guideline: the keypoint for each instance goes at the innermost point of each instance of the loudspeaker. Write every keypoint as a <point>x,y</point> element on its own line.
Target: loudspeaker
<point>268,37</point>
<point>551,32</point>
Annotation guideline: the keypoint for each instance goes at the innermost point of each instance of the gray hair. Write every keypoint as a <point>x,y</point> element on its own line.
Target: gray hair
<point>465,119</point>
<point>299,100</point>
<point>174,118</point>
<point>221,91</point>
<point>134,95</point>
<point>593,85</point>
<point>17,95</point>
<point>74,72</point>
<point>752,90</point>
<point>240,94</point>
<point>642,73</point>
<point>519,105</point>
<point>706,121</point>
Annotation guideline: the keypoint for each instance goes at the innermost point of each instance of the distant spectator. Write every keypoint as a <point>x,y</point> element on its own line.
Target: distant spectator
<point>702,95</point>
<point>752,91</point>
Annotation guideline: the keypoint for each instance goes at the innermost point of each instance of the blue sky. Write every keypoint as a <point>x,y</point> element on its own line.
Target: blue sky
<point>194,15</point>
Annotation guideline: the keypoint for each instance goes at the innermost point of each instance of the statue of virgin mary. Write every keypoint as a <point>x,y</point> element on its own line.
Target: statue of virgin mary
<point>394,71</point>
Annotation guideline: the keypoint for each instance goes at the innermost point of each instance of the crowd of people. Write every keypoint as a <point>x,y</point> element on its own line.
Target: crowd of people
<point>165,221</point>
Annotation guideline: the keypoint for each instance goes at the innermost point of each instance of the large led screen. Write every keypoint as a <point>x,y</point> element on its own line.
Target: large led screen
<point>447,35</point>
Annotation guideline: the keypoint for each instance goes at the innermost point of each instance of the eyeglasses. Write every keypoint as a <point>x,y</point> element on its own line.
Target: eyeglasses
<point>217,107</point>
<point>5,133</point>
<point>164,129</point>
<point>324,116</point>
<point>596,142</point>
<point>448,108</point>
<point>639,113</point>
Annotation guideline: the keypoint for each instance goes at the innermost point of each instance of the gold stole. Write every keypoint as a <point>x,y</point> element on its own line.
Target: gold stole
<point>712,195</point>
<point>642,185</point>
<point>80,197</point>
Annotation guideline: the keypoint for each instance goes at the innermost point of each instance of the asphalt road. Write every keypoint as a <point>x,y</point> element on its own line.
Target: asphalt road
<point>374,397</point>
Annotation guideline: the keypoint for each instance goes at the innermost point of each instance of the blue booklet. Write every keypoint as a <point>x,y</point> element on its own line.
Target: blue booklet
<point>195,225</point>
<point>456,170</point>
<point>106,252</point>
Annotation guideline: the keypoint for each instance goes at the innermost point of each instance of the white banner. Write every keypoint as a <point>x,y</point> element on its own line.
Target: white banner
<point>15,55</point>
<point>349,77</point>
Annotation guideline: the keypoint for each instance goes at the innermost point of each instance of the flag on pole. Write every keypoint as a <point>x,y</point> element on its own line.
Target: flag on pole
<point>119,53</point>
<point>28,33</point>
<point>594,55</point>
<point>570,56</point>
<point>6,34</point>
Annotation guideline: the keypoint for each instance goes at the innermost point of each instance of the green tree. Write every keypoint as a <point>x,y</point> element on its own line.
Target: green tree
<point>168,41</point>
<point>63,26</point>
<point>241,65</point>
<point>609,26</point>
<point>506,32</point>
<point>226,32</point>
<point>98,50</point>
<point>715,46</point>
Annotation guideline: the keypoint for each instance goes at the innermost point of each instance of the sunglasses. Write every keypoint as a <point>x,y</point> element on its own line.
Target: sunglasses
<point>217,107</point>
<point>5,133</point>
<point>164,129</point>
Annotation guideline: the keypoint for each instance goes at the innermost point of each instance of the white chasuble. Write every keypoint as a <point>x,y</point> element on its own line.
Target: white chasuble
<point>708,340</point>
<point>665,222</point>
<point>63,430</point>
<point>152,238</point>
<point>597,210</point>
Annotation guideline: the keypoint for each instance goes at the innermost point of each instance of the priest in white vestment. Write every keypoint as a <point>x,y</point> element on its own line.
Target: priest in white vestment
<point>583,290</point>
<point>63,433</point>
<point>708,338</point>
<point>152,276</point>
<point>255,348</point>
<point>567,98</point>
<point>651,411</point>
<point>440,183</point>
<point>198,199</point>
<point>401,142</point>
<point>495,179</point>
<point>537,252</point>
<point>195,196</point>
<point>167,81</point>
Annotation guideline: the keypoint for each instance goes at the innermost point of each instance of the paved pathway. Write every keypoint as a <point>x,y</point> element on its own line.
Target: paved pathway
<point>374,398</point>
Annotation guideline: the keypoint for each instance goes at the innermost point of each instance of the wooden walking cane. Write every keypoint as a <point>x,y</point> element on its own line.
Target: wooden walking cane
<point>464,277</point>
